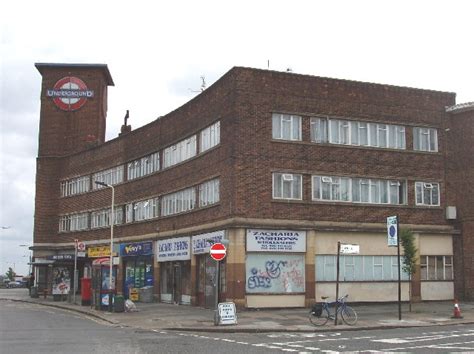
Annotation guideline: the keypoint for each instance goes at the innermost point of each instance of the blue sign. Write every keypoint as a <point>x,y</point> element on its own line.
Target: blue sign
<point>136,249</point>
<point>392,231</point>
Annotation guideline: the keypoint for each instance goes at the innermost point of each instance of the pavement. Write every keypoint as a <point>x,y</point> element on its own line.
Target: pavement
<point>160,316</point>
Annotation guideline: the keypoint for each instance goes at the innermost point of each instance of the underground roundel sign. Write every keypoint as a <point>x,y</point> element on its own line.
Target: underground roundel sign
<point>218,251</point>
<point>70,93</point>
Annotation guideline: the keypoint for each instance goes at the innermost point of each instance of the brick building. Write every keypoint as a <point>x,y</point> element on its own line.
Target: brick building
<point>279,166</point>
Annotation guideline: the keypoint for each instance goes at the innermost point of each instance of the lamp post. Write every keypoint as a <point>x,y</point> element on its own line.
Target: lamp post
<point>112,215</point>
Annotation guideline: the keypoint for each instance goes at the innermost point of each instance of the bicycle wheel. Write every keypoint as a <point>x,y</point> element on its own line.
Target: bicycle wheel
<point>349,316</point>
<point>319,320</point>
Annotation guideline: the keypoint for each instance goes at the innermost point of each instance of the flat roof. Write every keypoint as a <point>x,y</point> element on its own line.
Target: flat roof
<point>103,67</point>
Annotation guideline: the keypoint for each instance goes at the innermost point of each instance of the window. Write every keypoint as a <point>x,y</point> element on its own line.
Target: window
<point>358,190</point>
<point>179,152</point>
<point>210,137</point>
<point>319,130</point>
<point>142,210</point>
<point>144,166</point>
<point>178,202</point>
<point>358,268</point>
<point>436,267</point>
<point>74,222</point>
<point>286,127</point>
<point>209,193</point>
<point>425,139</point>
<point>339,131</point>
<point>101,218</point>
<point>427,193</point>
<point>74,186</point>
<point>111,176</point>
<point>287,186</point>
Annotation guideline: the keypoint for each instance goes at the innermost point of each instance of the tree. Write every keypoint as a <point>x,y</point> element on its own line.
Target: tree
<point>10,274</point>
<point>407,239</point>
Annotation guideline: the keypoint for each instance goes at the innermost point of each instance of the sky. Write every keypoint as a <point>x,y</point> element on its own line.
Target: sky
<point>157,51</point>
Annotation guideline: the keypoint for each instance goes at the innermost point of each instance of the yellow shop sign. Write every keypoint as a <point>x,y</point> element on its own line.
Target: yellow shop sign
<point>95,252</point>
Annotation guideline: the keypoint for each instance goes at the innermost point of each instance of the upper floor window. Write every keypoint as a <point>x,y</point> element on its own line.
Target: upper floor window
<point>209,192</point>
<point>287,186</point>
<point>359,190</point>
<point>74,222</point>
<point>210,136</point>
<point>111,176</point>
<point>427,193</point>
<point>286,127</point>
<point>347,132</point>
<point>144,166</point>
<point>101,218</point>
<point>425,139</point>
<point>74,186</point>
<point>179,152</point>
<point>178,202</point>
<point>142,210</point>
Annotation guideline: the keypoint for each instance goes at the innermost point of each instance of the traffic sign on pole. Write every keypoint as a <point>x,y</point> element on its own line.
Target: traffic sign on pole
<point>218,251</point>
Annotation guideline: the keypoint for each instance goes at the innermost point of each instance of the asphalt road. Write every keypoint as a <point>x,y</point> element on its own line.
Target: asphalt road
<point>31,328</point>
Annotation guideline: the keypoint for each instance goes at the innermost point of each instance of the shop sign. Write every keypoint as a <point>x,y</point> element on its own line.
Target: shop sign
<point>202,243</point>
<point>96,252</point>
<point>136,249</point>
<point>70,93</point>
<point>175,249</point>
<point>276,241</point>
<point>61,257</point>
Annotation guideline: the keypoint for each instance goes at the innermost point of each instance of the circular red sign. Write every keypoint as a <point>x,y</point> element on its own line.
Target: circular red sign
<point>70,93</point>
<point>218,251</point>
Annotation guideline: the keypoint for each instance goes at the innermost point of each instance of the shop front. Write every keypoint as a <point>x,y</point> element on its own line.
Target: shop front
<point>174,256</point>
<point>275,268</point>
<point>137,260</point>
<point>207,269</point>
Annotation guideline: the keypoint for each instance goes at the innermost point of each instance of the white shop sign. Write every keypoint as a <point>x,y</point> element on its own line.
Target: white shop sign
<point>202,243</point>
<point>174,249</point>
<point>276,240</point>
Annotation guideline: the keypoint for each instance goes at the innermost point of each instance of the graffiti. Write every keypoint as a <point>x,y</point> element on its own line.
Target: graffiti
<point>273,268</point>
<point>258,281</point>
<point>284,274</point>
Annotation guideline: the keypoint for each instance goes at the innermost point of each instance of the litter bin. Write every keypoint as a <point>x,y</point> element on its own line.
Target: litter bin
<point>146,294</point>
<point>119,303</point>
<point>34,292</point>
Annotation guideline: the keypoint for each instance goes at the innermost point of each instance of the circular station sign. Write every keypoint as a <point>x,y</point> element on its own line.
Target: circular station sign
<point>70,93</point>
<point>218,251</point>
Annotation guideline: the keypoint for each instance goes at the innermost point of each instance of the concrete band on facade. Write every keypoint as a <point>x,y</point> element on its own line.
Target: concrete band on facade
<point>280,252</point>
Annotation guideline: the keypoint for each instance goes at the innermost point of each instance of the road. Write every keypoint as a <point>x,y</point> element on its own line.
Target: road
<point>32,328</point>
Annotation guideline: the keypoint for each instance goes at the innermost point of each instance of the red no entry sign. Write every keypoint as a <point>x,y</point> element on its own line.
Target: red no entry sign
<point>218,251</point>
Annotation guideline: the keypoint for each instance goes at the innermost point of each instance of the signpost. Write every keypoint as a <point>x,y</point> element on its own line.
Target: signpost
<point>394,240</point>
<point>218,253</point>
<point>76,243</point>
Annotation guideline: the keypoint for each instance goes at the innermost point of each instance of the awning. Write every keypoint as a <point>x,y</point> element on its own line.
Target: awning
<point>40,262</point>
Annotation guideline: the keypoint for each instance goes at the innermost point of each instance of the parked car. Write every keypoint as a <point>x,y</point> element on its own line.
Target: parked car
<point>15,284</point>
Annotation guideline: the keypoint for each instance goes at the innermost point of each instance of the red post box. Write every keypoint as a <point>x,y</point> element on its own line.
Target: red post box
<point>86,291</point>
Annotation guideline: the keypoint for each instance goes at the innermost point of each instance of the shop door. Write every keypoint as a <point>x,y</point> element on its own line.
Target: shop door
<point>177,290</point>
<point>210,283</point>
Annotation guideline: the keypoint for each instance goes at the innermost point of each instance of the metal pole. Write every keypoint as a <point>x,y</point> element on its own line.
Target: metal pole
<point>216,311</point>
<point>112,216</point>
<point>75,273</point>
<point>399,273</point>
<point>337,281</point>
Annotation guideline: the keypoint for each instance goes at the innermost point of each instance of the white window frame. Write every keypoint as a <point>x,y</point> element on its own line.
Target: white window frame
<point>295,127</point>
<point>209,192</point>
<point>210,137</point>
<point>110,176</point>
<point>73,186</point>
<point>319,130</point>
<point>425,136</point>
<point>143,166</point>
<point>179,202</point>
<point>426,187</point>
<point>281,178</point>
<point>425,264</point>
<point>179,152</point>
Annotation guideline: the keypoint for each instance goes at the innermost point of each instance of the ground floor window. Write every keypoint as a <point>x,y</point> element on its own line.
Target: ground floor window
<point>138,273</point>
<point>275,273</point>
<point>436,267</point>
<point>358,268</point>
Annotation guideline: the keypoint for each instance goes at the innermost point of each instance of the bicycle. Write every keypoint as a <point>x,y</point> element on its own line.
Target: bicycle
<point>320,313</point>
